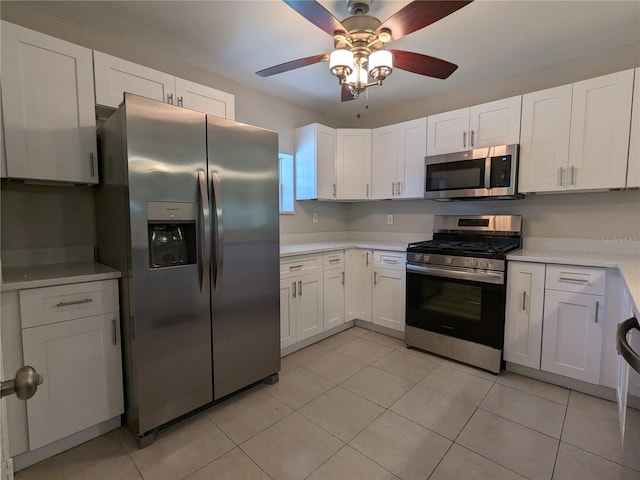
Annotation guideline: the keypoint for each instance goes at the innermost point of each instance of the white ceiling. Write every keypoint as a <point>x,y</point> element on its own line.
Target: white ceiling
<point>487,39</point>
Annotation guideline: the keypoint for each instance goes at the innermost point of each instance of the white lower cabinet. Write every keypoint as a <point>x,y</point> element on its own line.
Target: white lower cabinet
<point>359,283</point>
<point>309,306</point>
<point>334,289</point>
<point>555,317</point>
<point>287,312</point>
<point>572,335</point>
<point>388,298</point>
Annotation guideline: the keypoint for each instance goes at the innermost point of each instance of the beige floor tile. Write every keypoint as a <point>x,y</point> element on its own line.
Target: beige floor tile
<point>303,355</point>
<point>364,350</point>
<point>286,365</point>
<point>593,405</point>
<point>342,413</point>
<point>574,463</point>
<point>462,464</point>
<point>121,467</point>
<point>244,416</point>
<point>529,410</point>
<point>298,387</point>
<point>292,448</point>
<point>356,331</point>
<point>441,413</point>
<point>182,450</point>
<point>338,340</point>
<point>349,464</point>
<point>404,448</point>
<point>458,384</point>
<point>513,446</point>
<point>386,340</point>
<point>75,460</point>
<point>405,365</point>
<point>377,385</point>
<point>471,370</point>
<point>534,387</point>
<point>601,435</point>
<point>334,366</point>
<point>235,465</point>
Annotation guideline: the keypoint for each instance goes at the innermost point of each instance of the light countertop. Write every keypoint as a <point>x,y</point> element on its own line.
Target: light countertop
<point>317,247</point>
<point>35,276</point>
<point>628,264</point>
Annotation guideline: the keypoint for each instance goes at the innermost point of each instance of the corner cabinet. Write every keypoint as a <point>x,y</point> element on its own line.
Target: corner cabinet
<point>397,161</point>
<point>359,283</point>
<point>48,108</point>
<point>480,126</point>
<point>315,159</point>
<point>575,137</point>
<point>114,76</point>
<point>633,169</point>
<point>353,163</point>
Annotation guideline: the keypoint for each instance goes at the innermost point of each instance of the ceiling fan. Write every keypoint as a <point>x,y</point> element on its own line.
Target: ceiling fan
<point>358,42</point>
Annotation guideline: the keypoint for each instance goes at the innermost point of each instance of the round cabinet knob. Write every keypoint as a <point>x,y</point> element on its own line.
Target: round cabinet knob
<point>484,263</point>
<point>26,382</point>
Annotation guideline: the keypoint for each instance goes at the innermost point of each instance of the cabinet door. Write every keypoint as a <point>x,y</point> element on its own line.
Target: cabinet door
<point>633,170</point>
<point>359,284</point>
<point>288,296</point>
<point>333,298</point>
<point>572,335</point>
<point>495,123</point>
<point>524,311</point>
<point>325,153</point>
<point>600,123</point>
<point>309,306</point>
<point>81,364</point>
<point>114,76</point>
<point>204,99</point>
<point>49,114</point>
<point>544,142</point>
<point>412,148</point>
<point>315,157</point>
<point>384,162</point>
<point>448,132</point>
<point>389,298</point>
<point>353,162</point>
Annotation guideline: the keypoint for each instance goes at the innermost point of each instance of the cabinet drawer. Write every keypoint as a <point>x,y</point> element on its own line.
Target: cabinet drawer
<point>302,264</point>
<point>333,260</point>
<point>570,278</point>
<point>43,306</point>
<point>390,260</point>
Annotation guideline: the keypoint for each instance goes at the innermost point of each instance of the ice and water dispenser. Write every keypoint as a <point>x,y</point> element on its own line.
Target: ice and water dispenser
<point>172,233</point>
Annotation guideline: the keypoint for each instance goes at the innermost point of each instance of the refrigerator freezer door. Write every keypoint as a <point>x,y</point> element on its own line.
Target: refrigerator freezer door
<point>243,177</point>
<point>171,331</point>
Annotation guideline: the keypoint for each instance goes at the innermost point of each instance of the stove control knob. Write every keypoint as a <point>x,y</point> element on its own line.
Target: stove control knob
<point>426,258</point>
<point>484,263</point>
<point>472,262</point>
<point>418,257</point>
<point>448,260</point>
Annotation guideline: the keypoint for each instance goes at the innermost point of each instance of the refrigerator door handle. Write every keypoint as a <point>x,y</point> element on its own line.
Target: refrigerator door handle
<point>204,244</point>
<point>219,229</point>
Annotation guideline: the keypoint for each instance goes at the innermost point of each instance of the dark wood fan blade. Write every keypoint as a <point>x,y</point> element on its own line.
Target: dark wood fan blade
<point>292,65</point>
<point>317,14</point>
<point>419,14</point>
<point>422,64</point>
<point>346,95</point>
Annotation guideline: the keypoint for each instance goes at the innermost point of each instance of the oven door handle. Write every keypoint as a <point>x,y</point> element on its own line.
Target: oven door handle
<point>460,274</point>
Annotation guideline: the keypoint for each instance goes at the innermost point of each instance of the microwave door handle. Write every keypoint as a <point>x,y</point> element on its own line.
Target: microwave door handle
<point>219,231</point>
<point>205,244</point>
<point>487,171</point>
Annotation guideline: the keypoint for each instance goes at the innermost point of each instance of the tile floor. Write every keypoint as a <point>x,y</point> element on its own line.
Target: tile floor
<point>359,405</point>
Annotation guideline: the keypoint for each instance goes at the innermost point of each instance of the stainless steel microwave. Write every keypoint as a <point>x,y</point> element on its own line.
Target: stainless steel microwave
<point>473,174</point>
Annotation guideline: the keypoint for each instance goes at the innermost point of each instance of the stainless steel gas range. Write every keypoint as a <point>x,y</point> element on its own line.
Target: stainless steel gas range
<point>456,287</point>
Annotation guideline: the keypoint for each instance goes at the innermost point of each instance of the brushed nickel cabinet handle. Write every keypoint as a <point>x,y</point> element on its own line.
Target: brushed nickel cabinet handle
<point>367,259</point>
<point>114,332</point>
<point>75,302</point>
<point>91,165</point>
<point>561,176</point>
<point>573,175</point>
<point>375,278</point>
<point>180,101</point>
<point>335,190</point>
<point>472,138</point>
<point>342,278</point>
<point>464,139</point>
<point>597,308</point>
<point>393,188</point>
<point>300,287</point>
<point>295,267</point>
<point>170,98</point>
<point>293,289</point>
<point>573,280</point>
<point>524,301</point>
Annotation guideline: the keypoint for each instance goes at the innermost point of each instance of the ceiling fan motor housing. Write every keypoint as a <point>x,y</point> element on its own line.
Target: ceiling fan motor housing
<point>358,7</point>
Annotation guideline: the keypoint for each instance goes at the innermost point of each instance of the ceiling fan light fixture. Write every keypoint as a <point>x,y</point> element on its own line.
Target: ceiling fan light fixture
<point>341,63</point>
<point>380,64</point>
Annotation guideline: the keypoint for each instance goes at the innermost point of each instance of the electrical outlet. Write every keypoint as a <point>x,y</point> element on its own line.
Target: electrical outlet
<point>314,218</point>
<point>390,219</point>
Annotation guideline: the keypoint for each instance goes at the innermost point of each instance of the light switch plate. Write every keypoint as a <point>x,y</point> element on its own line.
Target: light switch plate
<point>314,218</point>
<point>390,219</point>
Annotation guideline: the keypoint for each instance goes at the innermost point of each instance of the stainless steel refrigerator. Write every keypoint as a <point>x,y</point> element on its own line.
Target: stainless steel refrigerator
<point>187,210</point>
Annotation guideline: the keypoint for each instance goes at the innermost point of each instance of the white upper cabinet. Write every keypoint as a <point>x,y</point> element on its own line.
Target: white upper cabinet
<point>49,114</point>
<point>575,137</point>
<point>485,125</point>
<point>633,170</point>
<point>315,158</point>
<point>397,160</point>
<point>115,76</point>
<point>600,123</point>
<point>353,163</point>
<point>544,140</point>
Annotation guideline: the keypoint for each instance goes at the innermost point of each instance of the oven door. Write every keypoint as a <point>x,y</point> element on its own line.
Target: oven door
<point>460,303</point>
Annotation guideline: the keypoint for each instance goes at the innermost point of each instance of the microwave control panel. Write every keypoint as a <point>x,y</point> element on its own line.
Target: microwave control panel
<point>500,171</point>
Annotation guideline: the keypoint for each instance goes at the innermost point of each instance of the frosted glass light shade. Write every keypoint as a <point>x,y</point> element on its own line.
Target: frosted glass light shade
<point>380,59</point>
<point>341,60</point>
